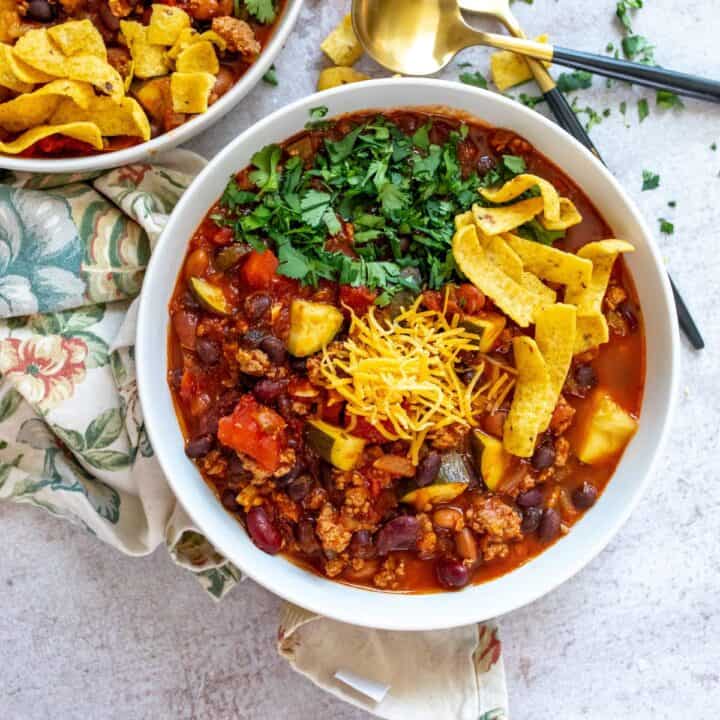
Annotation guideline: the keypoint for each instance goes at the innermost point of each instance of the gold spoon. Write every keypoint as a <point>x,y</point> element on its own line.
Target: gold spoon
<point>420,37</point>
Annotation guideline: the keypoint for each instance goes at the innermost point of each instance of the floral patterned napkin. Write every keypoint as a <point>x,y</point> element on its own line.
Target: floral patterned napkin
<point>73,250</point>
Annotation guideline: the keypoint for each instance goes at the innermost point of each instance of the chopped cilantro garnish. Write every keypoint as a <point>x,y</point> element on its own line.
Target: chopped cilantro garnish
<point>623,107</point>
<point>668,100</point>
<point>607,112</point>
<point>643,109</point>
<point>593,117</point>
<point>666,227</point>
<point>514,164</point>
<point>609,47</point>
<point>577,80</point>
<point>651,180</point>
<point>270,77</point>
<point>622,10</point>
<point>533,230</point>
<point>638,49</point>
<point>316,118</point>
<point>474,78</point>
<point>713,147</point>
<point>262,10</point>
<point>531,100</point>
<point>266,161</point>
<point>672,203</point>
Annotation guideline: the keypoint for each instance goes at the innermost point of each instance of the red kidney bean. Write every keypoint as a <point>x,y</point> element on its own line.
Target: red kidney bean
<point>428,469</point>
<point>41,11</point>
<point>263,531</point>
<point>585,376</point>
<point>530,498</point>
<point>585,496</point>
<point>531,519</point>
<point>544,455</point>
<point>549,525</point>
<point>274,348</point>
<point>228,500</point>
<point>185,325</point>
<point>398,534</point>
<point>361,545</point>
<point>452,573</point>
<point>256,305</point>
<point>208,351</point>
<point>199,446</point>
<point>267,390</point>
<point>306,537</point>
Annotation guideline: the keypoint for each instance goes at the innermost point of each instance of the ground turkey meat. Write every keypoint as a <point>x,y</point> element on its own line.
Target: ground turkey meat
<point>490,515</point>
<point>333,536</point>
<point>390,574</point>
<point>450,437</point>
<point>238,35</point>
<point>562,416</point>
<point>253,362</point>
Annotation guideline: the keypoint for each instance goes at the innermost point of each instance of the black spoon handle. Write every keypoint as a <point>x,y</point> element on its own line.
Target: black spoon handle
<point>568,120</point>
<point>650,75</point>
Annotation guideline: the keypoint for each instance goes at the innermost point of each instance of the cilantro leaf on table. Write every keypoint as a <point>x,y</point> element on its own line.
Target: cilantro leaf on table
<point>643,109</point>
<point>622,10</point>
<point>651,180</point>
<point>638,49</point>
<point>270,77</point>
<point>577,80</point>
<point>666,227</point>
<point>668,100</point>
<point>475,78</point>
<point>262,10</point>
<point>266,161</point>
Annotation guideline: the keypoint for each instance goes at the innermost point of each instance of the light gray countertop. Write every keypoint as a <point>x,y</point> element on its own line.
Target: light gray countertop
<point>86,633</point>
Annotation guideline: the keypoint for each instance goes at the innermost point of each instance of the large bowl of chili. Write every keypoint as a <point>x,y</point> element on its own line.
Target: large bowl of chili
<point>258,39</point>
<point>218,444</point>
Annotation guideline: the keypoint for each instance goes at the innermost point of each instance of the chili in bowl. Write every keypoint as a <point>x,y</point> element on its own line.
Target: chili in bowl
<point>407,353</point>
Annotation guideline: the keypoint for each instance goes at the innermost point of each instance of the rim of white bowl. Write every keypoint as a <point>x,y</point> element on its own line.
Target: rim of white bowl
<point>178,135</point>
<point>353,605</point>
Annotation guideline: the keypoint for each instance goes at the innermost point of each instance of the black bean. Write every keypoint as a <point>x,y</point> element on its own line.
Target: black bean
<point>284,405</point>
<point>175,378</point>
<point>267,390</point>
<point>549,525</point>
<point>585,376</point>
<point>398,534</point>
<point>295,472</point>
<point>253,338</point>
<point>299,488</point>
<point>544,456</point>
<point>485,164</point>
<point>110,21</point>
<point>531,519</point>
<point>274,348</point>
<point>530,498</point>
<point>199,446</point>
<point>627,311</point>
<point>361,545</point>
<point>256,305</point>
<point>41,11</point>
<point>208,351</point>
<point>306,538</point>
<point>452,573</point>
<point>298,365</point>
<point>228,500</point>
<point>585,496</point>
<point>428,469</point>
<point>236,472</point>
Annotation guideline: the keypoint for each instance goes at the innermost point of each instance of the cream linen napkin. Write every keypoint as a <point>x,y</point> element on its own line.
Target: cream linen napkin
<point>73,250</point>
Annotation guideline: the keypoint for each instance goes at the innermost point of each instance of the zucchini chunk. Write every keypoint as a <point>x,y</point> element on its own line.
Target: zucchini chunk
<point>210,296</point>
<point>453,470</point>
<point>487,327</point>
<point>490,457</point>
<point>608,431</point>
<point>312,326</point>
<point>434,494</point>
<point>334,445</point>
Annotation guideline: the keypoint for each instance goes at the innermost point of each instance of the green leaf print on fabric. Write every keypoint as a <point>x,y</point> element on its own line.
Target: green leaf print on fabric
<point>39,253</point>
<point>9,403</point>
<point>104,429</point>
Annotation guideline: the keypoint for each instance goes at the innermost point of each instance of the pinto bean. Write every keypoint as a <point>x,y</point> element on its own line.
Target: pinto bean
<point>446,517</point>
<point>465,545</point>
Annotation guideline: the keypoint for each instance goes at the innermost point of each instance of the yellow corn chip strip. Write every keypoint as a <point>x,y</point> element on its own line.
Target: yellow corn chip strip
<point>500,253</point>
<point>211,36</point>
<point>186,38</point>
<point>198,57</point>
<point>550,263</point>
<point>342,45</point>
<point>149,60</point>
<point>8,78</point>
<point>336,76</point>
<point>37,50</point>
<point>20,69</point>
<point>499,220</point>
<point>592,331</point>
<point>78,37</point>
<point>555,327</point>
<point>463,219</point>
<point>532,399</point>
<point>85,131</point>
<point>124,118</point>
<point>166,24</point>
<point>602,254</point>
<point>568,216</point>
<point>32,109</point>
<point>190,91</point>
<point>508,69</point>
<point>535,285</point>
<point>511,297</point>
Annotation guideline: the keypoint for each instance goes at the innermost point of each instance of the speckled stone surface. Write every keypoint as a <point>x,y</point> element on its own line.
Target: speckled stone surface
<point>86,633</point>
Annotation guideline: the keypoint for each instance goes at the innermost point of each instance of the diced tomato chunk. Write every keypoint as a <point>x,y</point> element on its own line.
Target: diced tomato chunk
<point>358,299</point>
<point>259,269</point>
<point>224,236</point>
<point>255,430</point>
<point>366,430</point>
<point>470,299</point>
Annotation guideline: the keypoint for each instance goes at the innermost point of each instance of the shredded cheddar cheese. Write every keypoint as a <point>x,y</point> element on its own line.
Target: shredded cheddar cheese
<point>400,375</point>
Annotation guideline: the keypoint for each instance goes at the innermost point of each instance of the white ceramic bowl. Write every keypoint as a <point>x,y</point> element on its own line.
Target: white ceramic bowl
<point>181,134</point>
<point>474,603</point>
